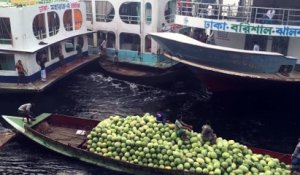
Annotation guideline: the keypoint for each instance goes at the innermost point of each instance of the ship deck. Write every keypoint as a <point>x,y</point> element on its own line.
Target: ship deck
<point>52,77</point>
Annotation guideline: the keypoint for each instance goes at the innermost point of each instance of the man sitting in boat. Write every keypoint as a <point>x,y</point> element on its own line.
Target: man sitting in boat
<point>181,128</point>
<point>160,118</point>
<point>208,134</point>
<point>296,160</point>
<point>24,110</point>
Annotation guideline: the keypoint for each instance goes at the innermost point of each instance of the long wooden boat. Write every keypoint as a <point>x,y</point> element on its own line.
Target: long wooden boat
<point>141,74</point>
<point>58,133</point>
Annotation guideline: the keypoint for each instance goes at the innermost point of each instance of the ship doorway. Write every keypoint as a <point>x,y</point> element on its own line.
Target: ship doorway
<point>280,44</point>
<point>109,36</point>
<point>259,39</point>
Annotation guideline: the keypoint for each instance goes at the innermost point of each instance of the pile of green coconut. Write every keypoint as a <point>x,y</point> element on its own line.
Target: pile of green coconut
<point>141,140</point>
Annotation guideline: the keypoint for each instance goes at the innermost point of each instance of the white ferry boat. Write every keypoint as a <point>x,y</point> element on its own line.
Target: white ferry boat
<point>125,26</point>
<point>32,28</point>
<point>232,29</point>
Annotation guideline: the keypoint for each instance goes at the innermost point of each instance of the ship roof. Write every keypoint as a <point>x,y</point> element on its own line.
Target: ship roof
<point>44,43</point>
<point>188,40</point>
<point>21,3</point>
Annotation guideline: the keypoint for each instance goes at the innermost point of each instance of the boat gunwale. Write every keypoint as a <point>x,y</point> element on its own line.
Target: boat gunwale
<point>262,76</point>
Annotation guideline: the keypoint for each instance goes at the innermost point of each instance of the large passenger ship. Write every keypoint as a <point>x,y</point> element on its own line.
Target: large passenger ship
<point>125,26</point>
<point>224,58</point>
<point>30,30</point>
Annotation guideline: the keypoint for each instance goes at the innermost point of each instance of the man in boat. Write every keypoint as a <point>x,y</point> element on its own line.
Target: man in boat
<point>24,110</point>
<point>181,128</point>
<point>161,118</point>
<point>21,71</point>
<point>295,169</point>
<point>208,134</point>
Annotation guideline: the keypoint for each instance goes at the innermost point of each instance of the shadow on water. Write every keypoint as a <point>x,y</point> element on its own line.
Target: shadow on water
<point>263,119</point>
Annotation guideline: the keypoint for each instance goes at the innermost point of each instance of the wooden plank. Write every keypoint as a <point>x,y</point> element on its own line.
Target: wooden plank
<point>5,137</point>
<point>65,135</point>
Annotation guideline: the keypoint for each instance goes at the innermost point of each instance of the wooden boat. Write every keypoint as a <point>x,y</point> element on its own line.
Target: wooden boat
<point>141,74</point>
<point>5,137</point>
<point>58,133</point>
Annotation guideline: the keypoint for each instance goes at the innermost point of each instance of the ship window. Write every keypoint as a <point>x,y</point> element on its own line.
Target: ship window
<point>280,44</point>
<point>70,45</point>
<point>68,24</point>
<point>130,12</point>
<point>39,27</point>
<point>147,43</point>
<point>54,51</point>
<point>7,62</point>
<point>89,12</point>
<point>110,38</point>
<point>148,13</point>
<point>53,23</point>
<point>105,11</point>
<point>170,11</point>
<point>129,41</point>
<point>78,19</point>
<point>5,31</point>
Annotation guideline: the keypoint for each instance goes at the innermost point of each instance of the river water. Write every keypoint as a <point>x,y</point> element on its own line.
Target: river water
<point>262,119</point>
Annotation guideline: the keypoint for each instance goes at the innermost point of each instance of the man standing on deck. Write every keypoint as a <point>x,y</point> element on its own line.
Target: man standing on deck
<point>21,72</point>
<point>24,110</point>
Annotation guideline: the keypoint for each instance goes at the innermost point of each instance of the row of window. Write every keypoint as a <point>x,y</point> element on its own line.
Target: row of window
<point>128,41</point>
<point>39,23</point>
<point>129,12</point>
<point>7,61</point>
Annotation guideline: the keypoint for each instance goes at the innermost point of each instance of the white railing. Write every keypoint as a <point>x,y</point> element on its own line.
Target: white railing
<point>130,19</point>
<point>281,16</point>
<point>104,18</point>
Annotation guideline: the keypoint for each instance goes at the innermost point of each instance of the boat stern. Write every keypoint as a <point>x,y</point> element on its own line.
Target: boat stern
<point>19,123</point>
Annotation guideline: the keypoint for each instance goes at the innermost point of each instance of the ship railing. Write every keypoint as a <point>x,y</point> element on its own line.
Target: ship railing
<point>53,30</point>
<point>89,16</point>
<point>129,19</point>
<point>170,18</point>
<point>104,17</point>
<point>40,34</point>
<point>246,14</point>
<point>68,27</point>
<point>5,41</point>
